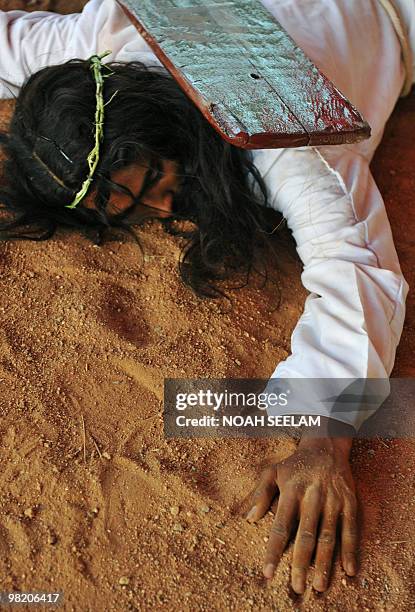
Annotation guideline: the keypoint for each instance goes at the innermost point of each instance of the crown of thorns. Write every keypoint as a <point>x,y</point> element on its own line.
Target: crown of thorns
<point>93,158</point>
<point>97,68</point>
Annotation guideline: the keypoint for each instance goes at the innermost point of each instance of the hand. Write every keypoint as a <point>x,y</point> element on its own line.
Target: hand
<point>316,486</point>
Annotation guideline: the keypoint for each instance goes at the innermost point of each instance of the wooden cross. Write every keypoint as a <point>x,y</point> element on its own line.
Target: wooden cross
<point>246,74</point>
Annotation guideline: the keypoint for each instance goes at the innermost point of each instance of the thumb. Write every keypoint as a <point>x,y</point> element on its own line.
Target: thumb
<point>263,494</point>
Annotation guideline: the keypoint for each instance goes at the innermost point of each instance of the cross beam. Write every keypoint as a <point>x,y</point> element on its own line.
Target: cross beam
<point>246,74</point>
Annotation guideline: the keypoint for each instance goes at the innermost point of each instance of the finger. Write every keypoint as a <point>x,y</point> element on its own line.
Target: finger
<point>349,538</point>
<point>263,495</point>
<point>325,545</point>
<point>305,541</point>
<point>280,530</point>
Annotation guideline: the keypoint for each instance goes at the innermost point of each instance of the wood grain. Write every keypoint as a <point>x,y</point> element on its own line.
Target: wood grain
<point>246,74</point>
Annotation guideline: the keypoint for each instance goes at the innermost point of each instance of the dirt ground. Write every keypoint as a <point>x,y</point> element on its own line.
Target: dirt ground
<point>94,501</point>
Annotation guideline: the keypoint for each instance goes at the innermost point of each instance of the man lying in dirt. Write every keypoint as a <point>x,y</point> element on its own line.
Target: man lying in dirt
<point>159,154</point>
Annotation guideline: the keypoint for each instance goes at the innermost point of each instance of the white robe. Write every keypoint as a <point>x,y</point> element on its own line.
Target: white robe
<point>354,314</point>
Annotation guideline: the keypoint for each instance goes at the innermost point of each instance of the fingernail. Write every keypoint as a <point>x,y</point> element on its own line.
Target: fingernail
<point>319,584</point>
<point>298,585</point>
<point>269,571</point>
<point>351,568</point>
<point>251,514</point>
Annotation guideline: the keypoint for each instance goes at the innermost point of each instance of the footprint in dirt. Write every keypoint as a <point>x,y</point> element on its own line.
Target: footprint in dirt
<point>122,312</point>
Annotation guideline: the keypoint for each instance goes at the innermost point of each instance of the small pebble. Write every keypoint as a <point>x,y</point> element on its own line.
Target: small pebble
<point>178,527</point>
<point>106,455</point>
<point>29,513</point>
<point>124,581</point>
<point>175,510</point>
<point>205,509</point>
<point>344,582</point>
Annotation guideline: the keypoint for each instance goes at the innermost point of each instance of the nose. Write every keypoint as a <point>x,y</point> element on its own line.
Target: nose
<point>161,201</point>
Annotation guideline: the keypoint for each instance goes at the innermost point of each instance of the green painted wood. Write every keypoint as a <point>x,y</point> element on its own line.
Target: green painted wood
<point>245,73</point>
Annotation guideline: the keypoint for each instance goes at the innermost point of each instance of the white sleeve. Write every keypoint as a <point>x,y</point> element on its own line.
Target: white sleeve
<point>353,317</point>
<point>31,41</point>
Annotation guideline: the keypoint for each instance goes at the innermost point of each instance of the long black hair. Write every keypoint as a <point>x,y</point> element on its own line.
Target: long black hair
<point>148,119</point>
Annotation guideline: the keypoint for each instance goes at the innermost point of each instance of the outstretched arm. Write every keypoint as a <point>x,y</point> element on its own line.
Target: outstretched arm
<point>350,328</point>
<point>353,316</point>
<point>31,41</point>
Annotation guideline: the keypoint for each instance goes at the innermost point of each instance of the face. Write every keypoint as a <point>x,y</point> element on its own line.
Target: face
<point>159,197</point>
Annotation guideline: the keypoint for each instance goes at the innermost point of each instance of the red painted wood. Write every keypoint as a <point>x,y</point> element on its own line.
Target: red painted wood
<point>245,73</point>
